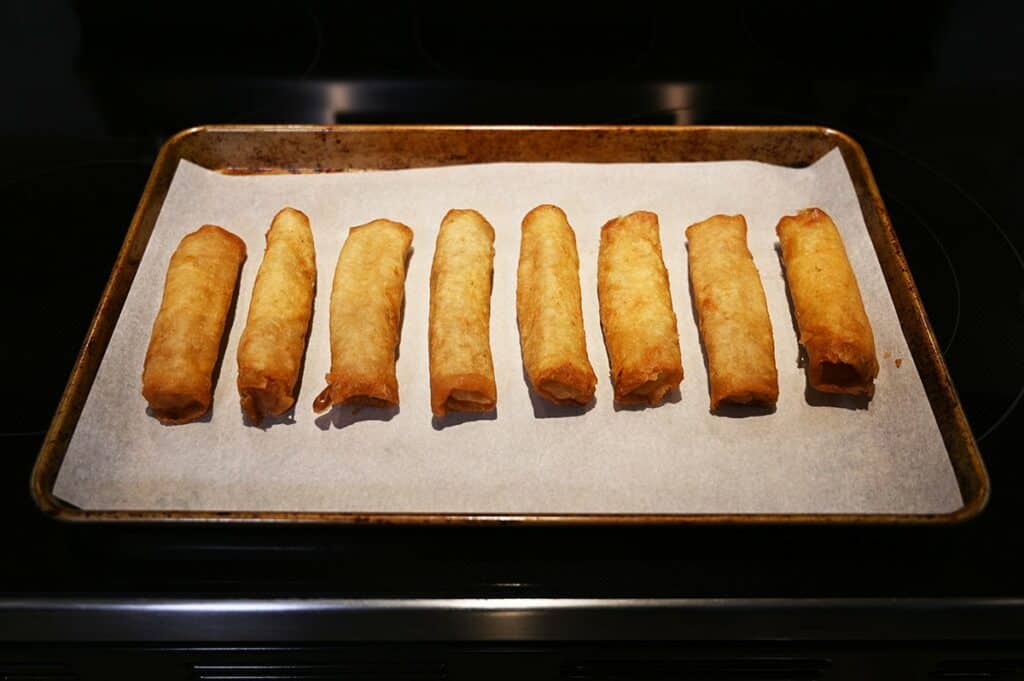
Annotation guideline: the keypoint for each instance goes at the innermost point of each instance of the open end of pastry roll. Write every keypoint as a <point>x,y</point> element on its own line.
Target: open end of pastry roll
<point>837,376</point>
<point>263,396</point>
<point>463,392</point>
<point>634,390</point>
<point>743,398</point>
<point>172,408</point>
<point>357,392</point>
<point>253,405</point>
<point>567,386</point>
<point>560,392</point>
<point>468,400</point>
<point>734,390</point>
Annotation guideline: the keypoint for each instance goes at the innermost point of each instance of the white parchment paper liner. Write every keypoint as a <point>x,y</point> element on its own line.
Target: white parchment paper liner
<point>528,458</point>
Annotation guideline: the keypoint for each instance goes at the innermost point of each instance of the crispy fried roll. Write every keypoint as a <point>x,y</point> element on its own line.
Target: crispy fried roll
<point>177,379</point>
<point>550,310</point>
<point>366,314</point>
<point>834,328</point>
<point>274,341</point>
<point>461,368</point>
<point>636,310</point>
<point>732,313</point>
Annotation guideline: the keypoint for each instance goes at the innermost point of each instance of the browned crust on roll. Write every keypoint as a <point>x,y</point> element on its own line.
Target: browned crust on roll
<point>461,366</point>
<point>549,309</point>
<point>366,315</point>
<point>185,345</point>
<point>637,316</point>
<point>834,327</point>
<point>732,313</point>
<point>273,343</point>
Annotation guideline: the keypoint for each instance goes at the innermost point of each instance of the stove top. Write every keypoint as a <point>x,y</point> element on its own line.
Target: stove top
<point>945,155</point>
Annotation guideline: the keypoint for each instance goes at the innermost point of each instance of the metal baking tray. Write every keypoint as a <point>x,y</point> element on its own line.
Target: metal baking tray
<point>298,149</point>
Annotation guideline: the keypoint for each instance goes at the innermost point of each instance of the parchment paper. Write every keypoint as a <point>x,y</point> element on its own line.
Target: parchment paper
<point>825,456</point>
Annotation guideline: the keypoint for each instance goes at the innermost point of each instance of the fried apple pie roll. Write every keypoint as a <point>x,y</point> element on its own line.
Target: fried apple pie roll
<point>550,310</point>
<point>366,316</point>
<point>274,341</point>
<point>177,379</point>
<point>461,368</point>
<point>636,310</point>
<point>732,313</point>
<point>834,328</point>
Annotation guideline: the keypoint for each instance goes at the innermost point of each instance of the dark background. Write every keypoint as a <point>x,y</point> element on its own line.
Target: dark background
<point>932,91</point>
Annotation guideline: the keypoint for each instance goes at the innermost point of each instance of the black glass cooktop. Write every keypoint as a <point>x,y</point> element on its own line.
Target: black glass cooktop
<point>945,152</point>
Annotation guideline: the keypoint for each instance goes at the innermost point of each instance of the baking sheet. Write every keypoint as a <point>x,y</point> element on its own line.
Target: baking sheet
<point>812,455</point>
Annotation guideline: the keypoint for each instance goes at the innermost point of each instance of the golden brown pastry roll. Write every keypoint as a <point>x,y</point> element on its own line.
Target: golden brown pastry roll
<point>550,310</point>
<point>461,368</point>
<point>366,315</point>
<point>274,341</point>
<point>636,310</point>
<point>177,379</point>
<point>732,313</point>
<point>834,327</point>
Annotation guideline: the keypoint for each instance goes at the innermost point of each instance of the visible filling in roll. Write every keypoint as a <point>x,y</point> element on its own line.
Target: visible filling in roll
<point>561,391</point>
<point>651,390</point>
<point>468,400</point>
<point>839,374</point>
